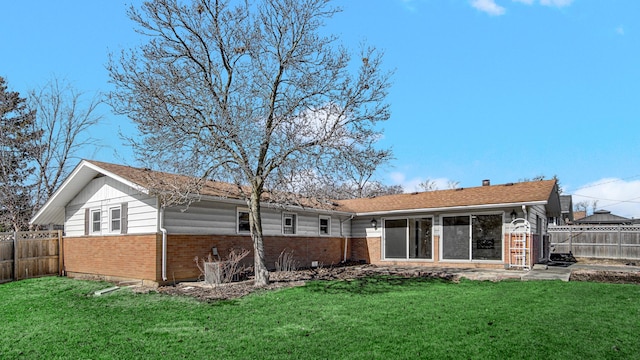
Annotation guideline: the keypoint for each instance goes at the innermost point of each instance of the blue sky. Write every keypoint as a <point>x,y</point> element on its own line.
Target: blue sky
<point>483,89</point>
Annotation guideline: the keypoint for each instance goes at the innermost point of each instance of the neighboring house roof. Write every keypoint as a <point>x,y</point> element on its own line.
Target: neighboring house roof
<point>604,217</point>
<point>579,214</point>
<point>524,193</point>
<point>566,203</point>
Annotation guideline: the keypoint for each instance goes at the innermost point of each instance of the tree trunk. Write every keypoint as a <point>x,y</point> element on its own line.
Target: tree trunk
<point>255,222</point>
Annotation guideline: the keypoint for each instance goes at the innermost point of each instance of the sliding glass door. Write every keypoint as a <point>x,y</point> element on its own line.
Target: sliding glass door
<point>408,238</point>
<point>472,237</point>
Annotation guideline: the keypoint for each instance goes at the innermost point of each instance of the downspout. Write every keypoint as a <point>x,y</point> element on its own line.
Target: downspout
<point>164,245</point>
<point>346,239</point>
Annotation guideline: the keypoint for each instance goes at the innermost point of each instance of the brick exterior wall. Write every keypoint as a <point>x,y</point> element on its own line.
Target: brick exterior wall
<point>113,257</point>
<point>182,249</point>
<point>140,256</point>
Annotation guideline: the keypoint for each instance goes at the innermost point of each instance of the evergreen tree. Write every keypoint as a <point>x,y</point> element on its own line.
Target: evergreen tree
<point>17,138</point>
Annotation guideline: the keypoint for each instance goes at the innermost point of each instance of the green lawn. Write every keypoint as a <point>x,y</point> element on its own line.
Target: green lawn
<point>377,318</point>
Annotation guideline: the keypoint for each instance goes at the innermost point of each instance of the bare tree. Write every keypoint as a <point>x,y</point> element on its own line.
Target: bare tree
<point>452,184</point>
<point>428,185</point>
<point>64,114</point>
<point>252,94</point>
<point>581,206</point>
<point>17,138</point>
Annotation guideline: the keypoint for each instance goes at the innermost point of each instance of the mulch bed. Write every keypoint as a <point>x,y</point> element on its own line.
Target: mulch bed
<point>279,280</point>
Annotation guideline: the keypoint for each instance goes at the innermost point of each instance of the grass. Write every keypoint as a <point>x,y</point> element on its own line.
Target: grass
<point>374,318</point>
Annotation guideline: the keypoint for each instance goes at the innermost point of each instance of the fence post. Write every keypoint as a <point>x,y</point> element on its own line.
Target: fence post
<point>15,256</point>
<point>619,242</point>
<point>570,238</point>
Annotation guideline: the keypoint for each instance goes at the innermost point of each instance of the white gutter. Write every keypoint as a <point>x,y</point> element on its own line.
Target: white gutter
<point>450,208</point>
<point>164,244</point>
<point>346,238</point>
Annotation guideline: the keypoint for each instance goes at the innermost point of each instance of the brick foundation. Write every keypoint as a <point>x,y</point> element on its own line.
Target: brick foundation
<point>181,250</point>
<point>139,257</point>
<point>113,257</point>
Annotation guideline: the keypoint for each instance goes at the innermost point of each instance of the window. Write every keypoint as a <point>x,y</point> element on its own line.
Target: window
<point>408,238</point>
<point>288,223</point>
<point>325,225</point>
<point>472,237</point>
<point>95,221</point>
<point>243,221</point>
<point>115,219</point>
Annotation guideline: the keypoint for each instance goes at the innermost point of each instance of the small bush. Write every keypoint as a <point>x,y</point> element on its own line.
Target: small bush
<point>223,271</point>
<point>286,261</point>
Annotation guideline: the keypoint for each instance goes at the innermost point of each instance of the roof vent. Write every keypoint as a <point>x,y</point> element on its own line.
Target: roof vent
<point>486,182</point>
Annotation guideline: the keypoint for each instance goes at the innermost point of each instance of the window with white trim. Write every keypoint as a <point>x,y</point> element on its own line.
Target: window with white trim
<point>96,221</point>
<point>115,219</point>
<point>325,225</point>
<point>289,223</point>
<point>243,221</point>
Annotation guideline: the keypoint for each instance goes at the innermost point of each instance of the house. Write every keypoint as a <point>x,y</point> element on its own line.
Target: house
<point>579,214</point>
<point>115,226</point>
<point>566,205</point>
<point>603,217</point>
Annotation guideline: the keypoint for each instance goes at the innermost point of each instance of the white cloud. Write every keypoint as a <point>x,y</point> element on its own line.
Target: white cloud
<point>528,2</point>
<point>489,7</point>
<point>412,185</point>
<point>556,3</point>
<point>616,195</point>
<point>409,5</point>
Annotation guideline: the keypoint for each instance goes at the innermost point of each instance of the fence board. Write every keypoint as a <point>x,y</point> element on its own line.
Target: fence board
<point>597,241</point>
<point>6,258</point>
<point>29,254</point>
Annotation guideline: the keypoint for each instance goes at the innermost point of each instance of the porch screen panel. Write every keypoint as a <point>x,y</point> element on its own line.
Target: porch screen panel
<point>395,239</point>
<point>455,237</point>
<point>487,237</point>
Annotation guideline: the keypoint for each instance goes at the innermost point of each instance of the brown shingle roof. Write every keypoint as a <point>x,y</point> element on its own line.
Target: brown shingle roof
<point>523,192</point>
<point>155,180</point>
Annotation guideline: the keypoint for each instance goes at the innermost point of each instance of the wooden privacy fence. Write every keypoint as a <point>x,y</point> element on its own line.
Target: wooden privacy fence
<point>27,254</point>
<point>597,241</point>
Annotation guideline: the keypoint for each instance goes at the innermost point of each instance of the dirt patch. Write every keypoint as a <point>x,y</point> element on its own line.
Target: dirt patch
<point>615,277</point>
<point>280,280</point>
<point>613,262</point>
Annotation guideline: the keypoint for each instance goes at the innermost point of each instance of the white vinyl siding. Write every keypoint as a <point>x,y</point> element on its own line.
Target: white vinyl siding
<point>104,193</point>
